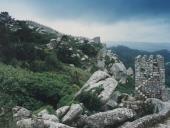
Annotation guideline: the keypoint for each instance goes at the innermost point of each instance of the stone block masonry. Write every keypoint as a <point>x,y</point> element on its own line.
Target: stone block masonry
<point>150,77</point>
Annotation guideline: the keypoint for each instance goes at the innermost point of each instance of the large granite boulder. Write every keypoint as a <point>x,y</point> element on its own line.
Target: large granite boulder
<point>110,118</point>
<point>30,123</point>
<point>39,123</point>
<point>100,79</point>
<point>74,112</point>
<point>60,112</point>
<point>118,70</point>
<point>96,77</point>
<point>21,113</point>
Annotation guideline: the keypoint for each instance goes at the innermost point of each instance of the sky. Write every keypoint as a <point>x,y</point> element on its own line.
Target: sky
<point>112,20</point>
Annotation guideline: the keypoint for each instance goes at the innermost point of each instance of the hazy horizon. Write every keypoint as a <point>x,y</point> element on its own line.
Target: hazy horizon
<point>112,20</point>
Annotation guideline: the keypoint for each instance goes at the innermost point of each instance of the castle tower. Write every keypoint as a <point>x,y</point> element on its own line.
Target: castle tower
<point>150,77</point>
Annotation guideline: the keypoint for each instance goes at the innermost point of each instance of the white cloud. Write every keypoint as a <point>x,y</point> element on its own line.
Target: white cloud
<point>142,31</point>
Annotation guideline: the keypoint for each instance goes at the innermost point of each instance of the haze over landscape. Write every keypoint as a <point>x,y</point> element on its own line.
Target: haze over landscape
<point>112,20</point>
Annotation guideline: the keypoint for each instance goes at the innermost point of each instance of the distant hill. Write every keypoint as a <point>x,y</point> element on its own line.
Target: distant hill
<point>147,46</point>
<point>127,55</point>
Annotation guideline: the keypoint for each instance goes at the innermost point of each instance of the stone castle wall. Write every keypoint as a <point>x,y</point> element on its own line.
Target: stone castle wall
<point>150,77</point>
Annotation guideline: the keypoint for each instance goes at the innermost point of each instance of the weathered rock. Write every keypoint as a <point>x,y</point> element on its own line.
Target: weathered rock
<point>50,117</point>
<point>62,111</point>
<point>21,113</point>
<point>30,123</point>
<point>46,116</point>
<point>80,122</point>
<point>162,110</point>
<point>130,71</point>
<point>156,104</point>
<point>110,118</point>
<point>50,124</point>
<point>112,103</point>
<point>96,77</point>
<point>100,79</point>
<point>118,70</point>
<point>137,105</point>
<point>74,112</point>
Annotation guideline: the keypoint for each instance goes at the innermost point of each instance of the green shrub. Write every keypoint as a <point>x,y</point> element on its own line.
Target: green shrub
<point>33,90</point>
<point>90,99</point>
<point>128,88</point>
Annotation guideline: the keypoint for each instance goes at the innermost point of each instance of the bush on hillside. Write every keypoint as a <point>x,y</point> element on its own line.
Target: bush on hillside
<point>33,90</point>
<point>128,88</point>
<point>90,99</point>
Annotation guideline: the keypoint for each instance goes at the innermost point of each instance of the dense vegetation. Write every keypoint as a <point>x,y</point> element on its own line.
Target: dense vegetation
<point>33,90</point>
<point>127,55</point>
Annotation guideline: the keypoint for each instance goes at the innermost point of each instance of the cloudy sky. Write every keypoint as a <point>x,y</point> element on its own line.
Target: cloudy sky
<point>113,20</point>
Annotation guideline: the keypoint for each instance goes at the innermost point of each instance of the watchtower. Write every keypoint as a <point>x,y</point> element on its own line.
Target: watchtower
<point>150,77</point>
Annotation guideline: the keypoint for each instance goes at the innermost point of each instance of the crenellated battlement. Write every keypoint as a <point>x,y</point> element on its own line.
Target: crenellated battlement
<point>150,76</point>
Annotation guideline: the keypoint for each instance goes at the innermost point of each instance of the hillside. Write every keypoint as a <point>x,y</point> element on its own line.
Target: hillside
<point>127,55</point>
<point>31,45</point>
<point>146,46</point>
<point>40,66</point>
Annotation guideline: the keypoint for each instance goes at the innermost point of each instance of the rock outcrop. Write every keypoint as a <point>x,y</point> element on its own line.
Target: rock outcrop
<point>161,111</point>
<point>21,113</point>
<point>110,118</point>
<point>50,124</point>
<point>60,112</point>
<point>109,62</point>
<point>118,70</point>
<point>74,112</point>
<point>30,123</point>
<point>103,80</point>
<point>46,116</point>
